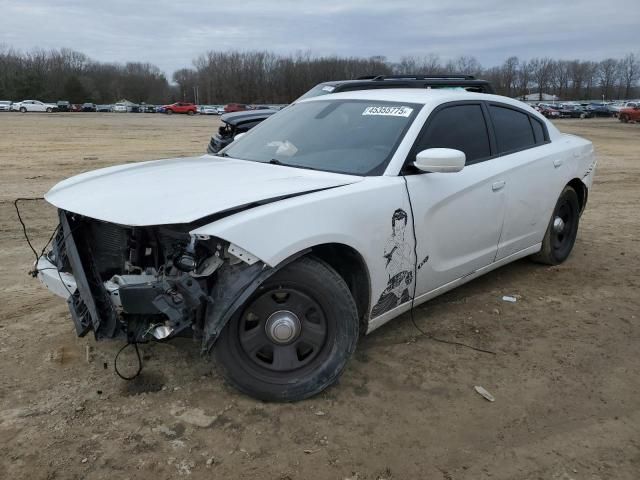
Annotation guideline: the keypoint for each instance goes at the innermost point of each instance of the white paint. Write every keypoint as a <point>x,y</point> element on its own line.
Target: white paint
<point>60,283</point>
<point>467,222</point>
<point>182,190</point>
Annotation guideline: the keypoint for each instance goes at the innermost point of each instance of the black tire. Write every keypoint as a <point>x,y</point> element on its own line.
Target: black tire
<point>311,360</point>
<point>190,112</point>
<point>23,110</point>
<point>624,119</point>
<point>169,111</point>
<point>558,243</point>
<point>49,110</point>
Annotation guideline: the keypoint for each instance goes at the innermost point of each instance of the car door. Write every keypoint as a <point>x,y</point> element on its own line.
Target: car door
<point>458,216</point>
<point>531,168</point>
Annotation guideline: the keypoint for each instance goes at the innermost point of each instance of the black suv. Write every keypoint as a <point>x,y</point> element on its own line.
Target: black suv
<point>240,122</point>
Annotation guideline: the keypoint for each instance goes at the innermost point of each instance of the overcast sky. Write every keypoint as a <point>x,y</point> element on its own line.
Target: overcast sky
<point>171,33</point>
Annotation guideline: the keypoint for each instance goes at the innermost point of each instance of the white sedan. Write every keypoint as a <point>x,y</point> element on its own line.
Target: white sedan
<point>34,106</point>
<point>324,222</point>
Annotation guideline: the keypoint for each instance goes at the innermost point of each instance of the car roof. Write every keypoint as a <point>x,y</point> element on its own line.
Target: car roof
<point>428,97</point>
<point>415,95</point>
<point>412,81</point>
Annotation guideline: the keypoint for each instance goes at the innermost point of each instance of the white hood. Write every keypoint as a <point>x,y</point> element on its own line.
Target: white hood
<point>182,190</point>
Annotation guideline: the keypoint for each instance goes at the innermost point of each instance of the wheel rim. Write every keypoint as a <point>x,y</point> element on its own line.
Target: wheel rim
<point>282,330</point>
<point>562,228</point>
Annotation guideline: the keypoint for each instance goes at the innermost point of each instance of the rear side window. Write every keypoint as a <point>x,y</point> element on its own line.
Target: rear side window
<point>513,129</point>
<point>461,127</point>
<point>538,130</point>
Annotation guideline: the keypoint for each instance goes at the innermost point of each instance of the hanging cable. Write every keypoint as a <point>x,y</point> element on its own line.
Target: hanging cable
<point>115,361</point>
<point>415,283</point>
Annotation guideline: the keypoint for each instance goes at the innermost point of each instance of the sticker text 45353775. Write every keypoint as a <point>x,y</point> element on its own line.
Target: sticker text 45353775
<point>399,111</point>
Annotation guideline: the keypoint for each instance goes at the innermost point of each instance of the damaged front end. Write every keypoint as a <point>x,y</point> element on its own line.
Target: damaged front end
<point>138,283</point>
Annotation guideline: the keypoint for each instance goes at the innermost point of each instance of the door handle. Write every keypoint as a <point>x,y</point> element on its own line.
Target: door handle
<point>557,162</point>
<point>498,185</point>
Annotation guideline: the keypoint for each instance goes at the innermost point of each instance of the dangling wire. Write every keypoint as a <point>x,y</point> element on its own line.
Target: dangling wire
<point>115,361</point>
<point>415,283</point>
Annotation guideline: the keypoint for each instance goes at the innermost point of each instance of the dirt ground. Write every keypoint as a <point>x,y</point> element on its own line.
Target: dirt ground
<point>565,376</point>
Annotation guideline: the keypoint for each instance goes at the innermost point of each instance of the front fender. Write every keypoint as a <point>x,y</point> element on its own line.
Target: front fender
<point>358,215</point>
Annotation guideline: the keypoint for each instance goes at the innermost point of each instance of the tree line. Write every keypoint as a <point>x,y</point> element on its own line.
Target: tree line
<point>266,77</point>
<point>65,74</point>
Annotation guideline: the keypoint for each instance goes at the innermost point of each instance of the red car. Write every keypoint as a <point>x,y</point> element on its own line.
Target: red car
<point>548,111</point>
<point>631,114</point>
<point>235,107</point>
<point>181,107</point>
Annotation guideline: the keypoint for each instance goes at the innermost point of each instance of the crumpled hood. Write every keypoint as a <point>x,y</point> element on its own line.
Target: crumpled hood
<point>182,190</point>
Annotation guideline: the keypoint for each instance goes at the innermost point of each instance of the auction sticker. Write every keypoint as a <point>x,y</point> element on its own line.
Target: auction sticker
<point>400,111</point>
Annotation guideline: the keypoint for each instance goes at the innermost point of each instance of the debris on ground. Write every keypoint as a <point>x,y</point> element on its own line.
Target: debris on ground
<point>509,298</point>
<point>482,391</point>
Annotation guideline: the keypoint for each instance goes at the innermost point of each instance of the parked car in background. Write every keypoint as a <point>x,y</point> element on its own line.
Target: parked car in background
<point>208,110</point>
<point>548,111</point>
<point>220,109</point>
<point>181,107</point>
<point>88,107</point>
<point>64,106</point>
<point>104,108</point>
<point>34,106</point>
<point>146,108</point>
<point>630,114</point>
<point>235,123</point>
<point>335,216</point>
<point>618,106</point>
<point>234,107</point>
<point>600,110</point>
<point>573,111</point>
<point>5,105</point>
<point>160,109</point>
<point>120,108</point>
<point>76,107</point>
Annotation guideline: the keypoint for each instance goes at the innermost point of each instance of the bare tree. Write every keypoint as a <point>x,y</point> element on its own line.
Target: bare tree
<point>542,72</point>
<point>607,71</point>
<point>630,70</point>
<point>264,77</point>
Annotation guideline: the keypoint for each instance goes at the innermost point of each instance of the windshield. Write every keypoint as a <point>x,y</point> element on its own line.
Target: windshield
<point>356,137</point>
<point>320,89</point>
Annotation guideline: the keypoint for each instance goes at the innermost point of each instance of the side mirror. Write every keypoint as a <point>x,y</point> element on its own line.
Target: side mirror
<point>440,160</point>
<point>238,136</point>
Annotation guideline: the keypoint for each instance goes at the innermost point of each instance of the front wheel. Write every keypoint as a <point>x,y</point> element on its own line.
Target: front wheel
<point>190,112</point>
<point>169,112</point>
<point>562,229</point>
<point>624,119</point>
<point>294,335</point>
<point>23,110</point>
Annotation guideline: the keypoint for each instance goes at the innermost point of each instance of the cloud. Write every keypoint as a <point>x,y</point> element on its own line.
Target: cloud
<point>171,34</point>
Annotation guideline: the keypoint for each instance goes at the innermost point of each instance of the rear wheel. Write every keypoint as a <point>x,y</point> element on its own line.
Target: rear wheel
<point>562,229</point>
<point>49,110</point>
<point>294,335</point>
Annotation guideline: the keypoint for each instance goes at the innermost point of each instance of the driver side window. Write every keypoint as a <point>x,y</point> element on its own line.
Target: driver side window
<point>461,127</point>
